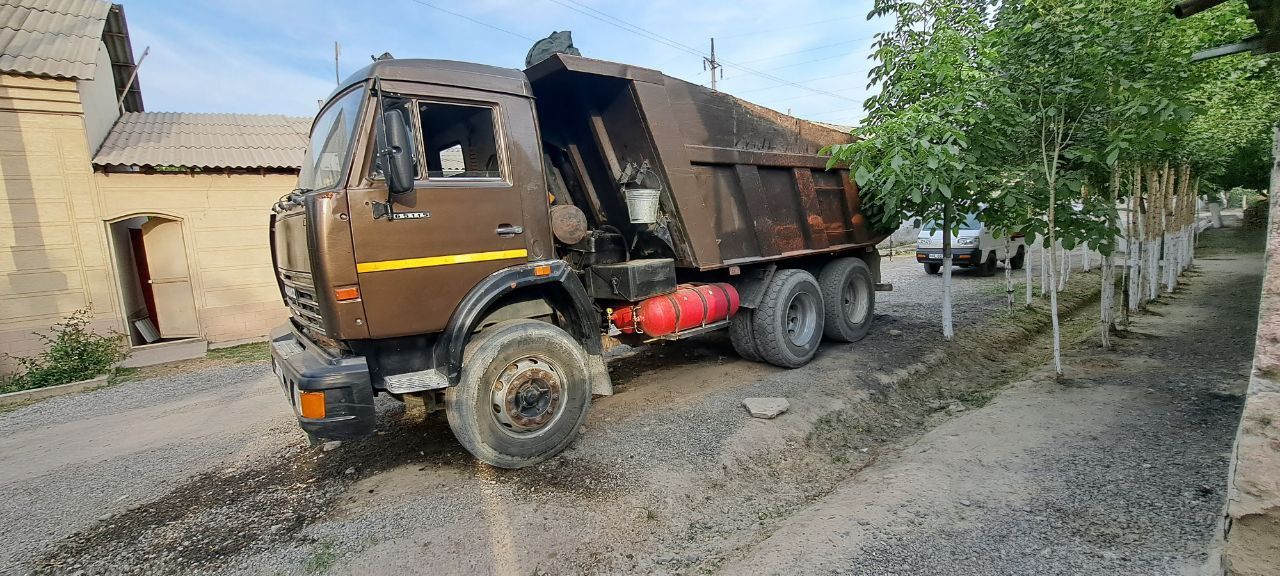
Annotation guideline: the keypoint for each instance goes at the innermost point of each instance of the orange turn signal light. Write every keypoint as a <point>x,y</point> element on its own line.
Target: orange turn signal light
<point>312,404</point>
<point>346,293</point>
<point>541,270</point>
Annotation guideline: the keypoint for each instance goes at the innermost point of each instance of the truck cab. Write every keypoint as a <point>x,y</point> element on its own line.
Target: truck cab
<point>464,236</point>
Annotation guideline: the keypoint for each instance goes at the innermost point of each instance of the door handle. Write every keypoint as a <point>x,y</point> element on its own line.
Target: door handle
<point>507,230</point>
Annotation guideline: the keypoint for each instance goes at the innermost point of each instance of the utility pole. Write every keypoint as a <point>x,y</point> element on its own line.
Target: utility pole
<point>337,50</point>
<point>712,64</point>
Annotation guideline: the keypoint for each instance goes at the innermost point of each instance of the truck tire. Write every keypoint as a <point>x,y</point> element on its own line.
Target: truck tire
<point>523,395</point>
<point>1017,262</point>
<point>988,266</point>
<point>787,325</point>
<point>932,268</point>
<point>740,335</point>
<point>849,298</point>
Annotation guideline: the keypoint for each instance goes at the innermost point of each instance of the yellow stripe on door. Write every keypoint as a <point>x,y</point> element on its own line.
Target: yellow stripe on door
<point>407,263</point>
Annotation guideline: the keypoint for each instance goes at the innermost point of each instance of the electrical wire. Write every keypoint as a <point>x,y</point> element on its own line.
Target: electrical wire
<point>791,27</point>
<point>775,86</point>
<point>650,35</point>
<point>814,49</point>
<point>474,21</point>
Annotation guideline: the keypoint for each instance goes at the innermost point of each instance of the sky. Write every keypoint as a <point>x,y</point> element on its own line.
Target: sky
<point>276,56</point>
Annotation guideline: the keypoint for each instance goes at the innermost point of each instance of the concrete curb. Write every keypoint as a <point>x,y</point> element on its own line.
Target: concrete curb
<point>24,396</point>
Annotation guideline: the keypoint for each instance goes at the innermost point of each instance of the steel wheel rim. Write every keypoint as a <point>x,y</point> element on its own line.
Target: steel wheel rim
<point>800,321</point>
<point>526,400</point>
<point>855,301</point>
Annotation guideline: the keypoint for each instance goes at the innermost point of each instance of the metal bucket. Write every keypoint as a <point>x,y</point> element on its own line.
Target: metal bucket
<point>642,205</point>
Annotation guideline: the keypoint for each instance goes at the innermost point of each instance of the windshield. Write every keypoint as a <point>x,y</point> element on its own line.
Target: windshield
<point>970,223</point>
<point>330,141</point>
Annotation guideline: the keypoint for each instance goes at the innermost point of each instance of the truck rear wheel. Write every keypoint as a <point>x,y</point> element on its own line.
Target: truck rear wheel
<point>787,325</point>
<point>524,393</point>
<point>740,334</point>
<point>849,295</point>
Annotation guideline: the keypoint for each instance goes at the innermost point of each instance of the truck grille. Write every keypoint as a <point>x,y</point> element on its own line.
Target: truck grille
<point>300,295</point>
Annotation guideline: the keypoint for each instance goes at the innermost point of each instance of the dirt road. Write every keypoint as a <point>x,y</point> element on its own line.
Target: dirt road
<point>205,472</point>
<point>1119,469</point>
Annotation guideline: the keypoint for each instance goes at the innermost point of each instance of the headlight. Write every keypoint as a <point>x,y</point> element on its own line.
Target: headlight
<point>967,241</point>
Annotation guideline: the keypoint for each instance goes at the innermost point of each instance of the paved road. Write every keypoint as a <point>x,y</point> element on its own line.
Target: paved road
<point>206,472</point>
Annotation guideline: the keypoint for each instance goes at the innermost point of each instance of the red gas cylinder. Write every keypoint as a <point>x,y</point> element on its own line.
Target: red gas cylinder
<point>690,306</point>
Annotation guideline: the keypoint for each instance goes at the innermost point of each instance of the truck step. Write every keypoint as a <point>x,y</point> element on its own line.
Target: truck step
<point>411,382</point>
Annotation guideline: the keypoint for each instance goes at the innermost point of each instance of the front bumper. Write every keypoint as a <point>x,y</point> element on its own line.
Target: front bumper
<point>302,366</point>
<point>959,256</point>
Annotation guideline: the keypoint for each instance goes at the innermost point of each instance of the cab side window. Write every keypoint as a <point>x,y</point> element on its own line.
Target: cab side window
<point>460,141</point>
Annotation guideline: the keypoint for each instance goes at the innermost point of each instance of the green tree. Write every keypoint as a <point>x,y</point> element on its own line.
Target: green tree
<point>917,149</point>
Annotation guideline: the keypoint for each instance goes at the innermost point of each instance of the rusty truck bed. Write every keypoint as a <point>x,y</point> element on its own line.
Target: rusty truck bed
<point>742,183</point>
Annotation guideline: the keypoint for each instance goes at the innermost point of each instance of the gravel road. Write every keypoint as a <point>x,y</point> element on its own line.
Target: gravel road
<point>205,472</point>
<point>1119,469</point>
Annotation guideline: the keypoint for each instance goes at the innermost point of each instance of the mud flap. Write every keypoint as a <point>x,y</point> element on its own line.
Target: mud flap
<point>601,385</point>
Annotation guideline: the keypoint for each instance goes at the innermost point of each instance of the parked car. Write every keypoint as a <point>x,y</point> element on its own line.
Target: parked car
<point>974,247</point>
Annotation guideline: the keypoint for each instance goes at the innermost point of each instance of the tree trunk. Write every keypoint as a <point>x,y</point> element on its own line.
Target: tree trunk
<point>1044,269</point>
<point>1107,306</point>
<point>1008,271</point>
<point>1027,261</point>
<point>1108,297</point>
<point>947,330</point>
<point>1053,289</point>
<point>1064,256</point>
<point>1155,215</point>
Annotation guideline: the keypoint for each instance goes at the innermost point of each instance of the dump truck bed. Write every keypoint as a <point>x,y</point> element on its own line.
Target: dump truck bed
<point>741,183</point>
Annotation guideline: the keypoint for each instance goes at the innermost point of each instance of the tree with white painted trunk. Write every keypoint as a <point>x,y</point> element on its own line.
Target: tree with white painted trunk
<point>934,126</point>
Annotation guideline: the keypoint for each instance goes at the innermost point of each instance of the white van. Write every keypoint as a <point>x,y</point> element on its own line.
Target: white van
<point>974,247</point>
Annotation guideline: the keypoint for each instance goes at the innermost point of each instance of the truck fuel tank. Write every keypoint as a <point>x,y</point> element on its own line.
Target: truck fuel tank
<point>690,306</point>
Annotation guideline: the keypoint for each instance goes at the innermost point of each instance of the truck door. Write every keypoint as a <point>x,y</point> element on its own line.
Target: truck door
<point>462,222</point>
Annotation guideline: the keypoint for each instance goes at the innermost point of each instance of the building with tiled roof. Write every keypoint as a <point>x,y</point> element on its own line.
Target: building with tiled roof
<point>154,221</point>
<point>205,141</point>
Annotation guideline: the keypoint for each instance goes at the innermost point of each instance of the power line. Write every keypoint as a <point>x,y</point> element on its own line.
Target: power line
<point>619,23</point>
<point>815,48</point>
<point>824,58</point>
<point>474,21</point>
<point>763,88</point>
<point>792,27</point>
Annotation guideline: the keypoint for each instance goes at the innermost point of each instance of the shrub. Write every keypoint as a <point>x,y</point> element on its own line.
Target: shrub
<point>72,353</point>
<point>1255,215</point>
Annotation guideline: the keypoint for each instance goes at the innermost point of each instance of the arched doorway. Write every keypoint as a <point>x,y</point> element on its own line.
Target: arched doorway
<point>150,254</point>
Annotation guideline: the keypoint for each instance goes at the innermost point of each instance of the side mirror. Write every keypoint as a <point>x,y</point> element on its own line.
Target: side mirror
<point>397,154</point>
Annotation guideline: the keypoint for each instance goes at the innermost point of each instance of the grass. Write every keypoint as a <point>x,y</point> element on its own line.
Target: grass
<point>322,559</point>
<point>980,398</point>
<point>250,353</point>
<point>242,354</point>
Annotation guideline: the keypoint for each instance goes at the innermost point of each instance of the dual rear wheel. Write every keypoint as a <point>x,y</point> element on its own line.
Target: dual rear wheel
<point>797,310</point>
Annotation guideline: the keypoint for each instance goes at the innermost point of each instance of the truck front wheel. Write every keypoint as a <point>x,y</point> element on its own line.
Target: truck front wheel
<point>787,325</point>
<point>524,393</point>
<point>849,294</point>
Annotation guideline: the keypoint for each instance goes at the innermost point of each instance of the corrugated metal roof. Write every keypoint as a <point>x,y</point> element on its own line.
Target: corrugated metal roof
<point>205,141</point>
<point>57,38</point>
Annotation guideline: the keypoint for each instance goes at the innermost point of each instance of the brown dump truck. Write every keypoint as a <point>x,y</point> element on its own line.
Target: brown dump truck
<point>467,237</point>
